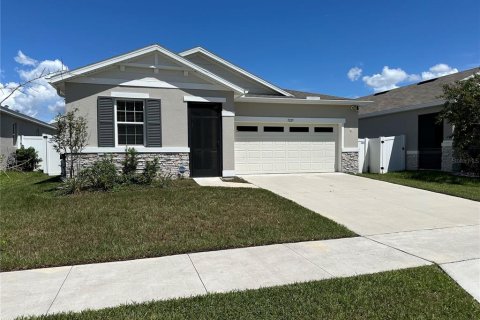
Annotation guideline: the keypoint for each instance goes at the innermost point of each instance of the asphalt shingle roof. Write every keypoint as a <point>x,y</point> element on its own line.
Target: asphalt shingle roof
<point>303,95</point>
<point>415,94</point>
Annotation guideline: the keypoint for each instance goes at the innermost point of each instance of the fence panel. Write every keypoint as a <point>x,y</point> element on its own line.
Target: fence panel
<point>381,155</point>
<point>51,163</point>
<point>393,154</point>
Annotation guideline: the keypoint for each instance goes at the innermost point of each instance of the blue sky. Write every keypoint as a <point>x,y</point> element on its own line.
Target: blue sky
<point>304,45</point>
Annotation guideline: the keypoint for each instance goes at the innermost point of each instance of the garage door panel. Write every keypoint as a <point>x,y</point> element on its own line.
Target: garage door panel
<point>284,152</point>
<point>267,154</point>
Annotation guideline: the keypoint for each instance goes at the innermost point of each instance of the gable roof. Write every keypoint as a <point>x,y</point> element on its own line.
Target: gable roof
<point>61,77</point>
<point>422,94</point>
<point>235,68</point>
<point>22,116</point>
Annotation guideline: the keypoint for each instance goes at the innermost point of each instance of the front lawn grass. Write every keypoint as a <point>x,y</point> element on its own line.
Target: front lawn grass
<point>40,228</point>
<point>436,181</point>
<point>418,293</point>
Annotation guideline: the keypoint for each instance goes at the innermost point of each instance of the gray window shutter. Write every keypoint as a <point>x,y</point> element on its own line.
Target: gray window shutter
<point>153,122</point>
<point>105,122</point>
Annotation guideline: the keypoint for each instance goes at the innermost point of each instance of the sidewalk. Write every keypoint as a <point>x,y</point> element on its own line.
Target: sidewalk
<point>95,286</point>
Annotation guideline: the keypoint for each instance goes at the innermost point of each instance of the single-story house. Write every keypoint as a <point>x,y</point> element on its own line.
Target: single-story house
<point>14,124</point>
<point>412,111</point>
<point>204,116</point>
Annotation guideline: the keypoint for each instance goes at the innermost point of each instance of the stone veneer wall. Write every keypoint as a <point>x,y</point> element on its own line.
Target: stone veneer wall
<point>349,162</point>
<point>412,161</point>
<point>447,156</point>
<point>170,162</point>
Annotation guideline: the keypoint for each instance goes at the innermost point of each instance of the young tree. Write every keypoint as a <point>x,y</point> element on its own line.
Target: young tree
<point>71,137</point>
<point>462,110</point>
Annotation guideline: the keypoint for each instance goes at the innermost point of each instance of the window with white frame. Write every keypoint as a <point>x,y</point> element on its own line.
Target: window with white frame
<point>130,123</point>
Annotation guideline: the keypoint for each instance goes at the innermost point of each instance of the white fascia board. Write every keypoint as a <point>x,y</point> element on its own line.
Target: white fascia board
<point>301,101</point>
<point>204,99</point>
<point>105,63</point>
<point>290,120</point>
<point>139,149</point>
<point>131,95</point>
<point>234,67</point>
<point>435,103</point>
<point>353,149</point>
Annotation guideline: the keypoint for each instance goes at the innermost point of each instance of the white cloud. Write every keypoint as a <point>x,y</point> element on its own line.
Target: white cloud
<point>24,59</point>
<point>354,73</point>
<point>391,78</point>
<point>388,79</point>
<point>438,70</point>
<point>38,98</point>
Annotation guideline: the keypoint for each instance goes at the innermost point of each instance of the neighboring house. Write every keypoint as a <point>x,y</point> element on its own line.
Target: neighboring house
<point>203,116</point>
<point>412,111</point>
<point>14,124</point>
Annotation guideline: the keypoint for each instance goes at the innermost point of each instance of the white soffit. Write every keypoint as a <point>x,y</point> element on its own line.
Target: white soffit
<point>302,101</point>
<point>291,120</point>
<point>133,95</point>
<point>204,99</point>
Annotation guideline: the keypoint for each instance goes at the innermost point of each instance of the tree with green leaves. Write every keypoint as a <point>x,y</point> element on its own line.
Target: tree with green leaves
<point>462,110</point>
<point>71,137</point>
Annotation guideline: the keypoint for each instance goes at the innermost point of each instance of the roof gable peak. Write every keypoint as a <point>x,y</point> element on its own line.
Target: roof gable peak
<point>64,76</point>
<point>237,69</point>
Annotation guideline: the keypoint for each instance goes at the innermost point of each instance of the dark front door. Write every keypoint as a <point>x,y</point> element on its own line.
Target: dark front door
<point>205,139</point>
<point>430,137</point>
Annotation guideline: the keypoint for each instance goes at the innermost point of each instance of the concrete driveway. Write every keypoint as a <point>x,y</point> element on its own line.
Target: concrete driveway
<point>432,226</point>
<point>369,206</point>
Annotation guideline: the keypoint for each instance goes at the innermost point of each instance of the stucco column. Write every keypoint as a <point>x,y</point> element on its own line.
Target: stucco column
<point>228,132</point>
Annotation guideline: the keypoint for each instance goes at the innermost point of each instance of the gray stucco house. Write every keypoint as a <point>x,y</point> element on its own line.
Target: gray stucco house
<point>14,124</point>
<point>203,116</point>
<point>412,111</point>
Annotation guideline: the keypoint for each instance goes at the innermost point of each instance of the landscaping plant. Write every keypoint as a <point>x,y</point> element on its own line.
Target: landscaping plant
<point>26,159</point>
<point>102,175</point>
<point>462,110</point>
<point>131,162</point>
<point>70,138</point>
<point>150,172</point>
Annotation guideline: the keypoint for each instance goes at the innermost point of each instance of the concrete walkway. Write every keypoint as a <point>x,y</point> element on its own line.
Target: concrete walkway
<point>94,286</point>
<point>217,182</point>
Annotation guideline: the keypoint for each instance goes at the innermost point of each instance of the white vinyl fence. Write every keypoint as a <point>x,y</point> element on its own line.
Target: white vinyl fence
<point>381,155</point>
<point>51,163</point>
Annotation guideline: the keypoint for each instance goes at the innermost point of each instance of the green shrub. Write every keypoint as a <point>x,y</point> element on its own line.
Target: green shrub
<point>73,185</point>
<point>27,159</point>
<point>102,175</point>
<point>131,162</point>
<point>163,180</point>
<point>150,172</point>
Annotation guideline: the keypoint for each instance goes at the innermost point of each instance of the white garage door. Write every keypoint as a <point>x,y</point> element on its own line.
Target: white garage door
<point>271,148</point>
